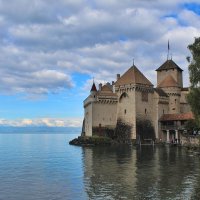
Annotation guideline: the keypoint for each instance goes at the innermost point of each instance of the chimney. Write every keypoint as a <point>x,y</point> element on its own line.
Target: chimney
<point>100,86</point>
<point>118,76</point>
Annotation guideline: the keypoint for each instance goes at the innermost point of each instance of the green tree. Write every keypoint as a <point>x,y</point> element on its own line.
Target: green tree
<point>194,73</point>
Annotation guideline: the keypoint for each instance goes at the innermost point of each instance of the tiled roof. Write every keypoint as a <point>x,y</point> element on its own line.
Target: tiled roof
<point>106,91</point>
<point>133,75</point>
<point>169,64</point>
<point>106,88</point>
<point>160,92</point>
<point>93,88</point>
<point>177,117</point>
<point>168,82</point>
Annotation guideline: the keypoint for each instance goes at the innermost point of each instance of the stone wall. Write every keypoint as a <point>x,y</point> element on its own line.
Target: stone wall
<point>88,119</point>
<point>104,114</point>
<point>103,131</point>
<point>177,75</point>
<point>126,108</point>
<point>190,140</point>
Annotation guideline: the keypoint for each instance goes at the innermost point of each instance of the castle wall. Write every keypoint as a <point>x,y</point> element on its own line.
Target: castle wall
<point>88,119</point>
<point>184,106</point>
<point>126,109</point>
<point>177,75</point>
<point>145,110</point>
<point>174,94</point>
<point>161,106</point>
<point>104,114</point>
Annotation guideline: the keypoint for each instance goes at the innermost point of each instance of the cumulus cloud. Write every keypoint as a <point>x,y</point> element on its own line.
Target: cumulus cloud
<point>44,42</point>
<point>48,122</point>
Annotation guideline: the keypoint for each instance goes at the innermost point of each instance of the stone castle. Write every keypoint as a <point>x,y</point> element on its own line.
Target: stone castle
<point>134,100</point>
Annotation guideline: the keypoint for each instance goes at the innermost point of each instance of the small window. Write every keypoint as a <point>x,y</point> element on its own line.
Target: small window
<point>145,111</point>
<point>175,101</point>
<point>125,111</point>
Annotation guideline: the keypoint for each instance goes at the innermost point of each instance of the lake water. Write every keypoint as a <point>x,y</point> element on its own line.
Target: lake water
<point>38,164</point>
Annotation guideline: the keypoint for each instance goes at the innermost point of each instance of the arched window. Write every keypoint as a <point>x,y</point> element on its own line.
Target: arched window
<point>123,95</point>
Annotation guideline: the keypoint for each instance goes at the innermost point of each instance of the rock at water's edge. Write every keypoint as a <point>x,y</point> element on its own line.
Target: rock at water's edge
<point>90,141</point>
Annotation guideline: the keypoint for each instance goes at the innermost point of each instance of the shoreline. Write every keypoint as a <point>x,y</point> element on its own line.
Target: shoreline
<point>87,141</point>
<point>97,141</point>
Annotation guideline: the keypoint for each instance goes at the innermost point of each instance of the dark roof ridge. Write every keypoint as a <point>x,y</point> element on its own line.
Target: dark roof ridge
<point>161,92</point>
<point>169,64</point>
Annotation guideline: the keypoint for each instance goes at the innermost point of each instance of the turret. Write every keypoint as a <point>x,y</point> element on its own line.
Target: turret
<point>93,90</point>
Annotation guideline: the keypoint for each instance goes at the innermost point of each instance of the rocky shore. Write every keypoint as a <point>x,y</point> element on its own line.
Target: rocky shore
<point>91,141</point>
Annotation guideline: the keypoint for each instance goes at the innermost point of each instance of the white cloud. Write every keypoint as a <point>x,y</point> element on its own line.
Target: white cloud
<point>42,43</point>
<point>49,122</point>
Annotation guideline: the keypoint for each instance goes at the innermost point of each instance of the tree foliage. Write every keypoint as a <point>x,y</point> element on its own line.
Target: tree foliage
<point>190,126</point>
<point>194,101</point>
<point>194,73</point>
<point>194,63</point>
<point>122,131</point>
<point>145,129</point>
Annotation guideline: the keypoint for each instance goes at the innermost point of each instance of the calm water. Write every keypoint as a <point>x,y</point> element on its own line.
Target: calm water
<point>39,164</point>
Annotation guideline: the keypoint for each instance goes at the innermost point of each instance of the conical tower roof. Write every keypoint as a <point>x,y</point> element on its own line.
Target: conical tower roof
<point>133,76</point>
<point>93,89</point>
<point>169,64</point>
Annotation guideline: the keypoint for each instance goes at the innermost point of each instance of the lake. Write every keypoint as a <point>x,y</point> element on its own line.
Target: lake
<point>39,164</point>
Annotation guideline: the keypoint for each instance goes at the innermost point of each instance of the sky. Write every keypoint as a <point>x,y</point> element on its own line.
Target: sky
<point>50,51</point>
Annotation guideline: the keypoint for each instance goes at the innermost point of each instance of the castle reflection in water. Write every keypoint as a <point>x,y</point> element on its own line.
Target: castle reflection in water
<point>147,172</point>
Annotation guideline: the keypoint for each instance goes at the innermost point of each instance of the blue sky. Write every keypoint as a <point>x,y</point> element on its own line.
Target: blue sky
<point>51,50</point>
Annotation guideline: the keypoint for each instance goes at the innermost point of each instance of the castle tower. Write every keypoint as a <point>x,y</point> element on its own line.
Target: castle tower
<point>169,67</point>
<point>100,110</point>
<point>88,110</point>
<point>135,94</point>
<point>169,79</point>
